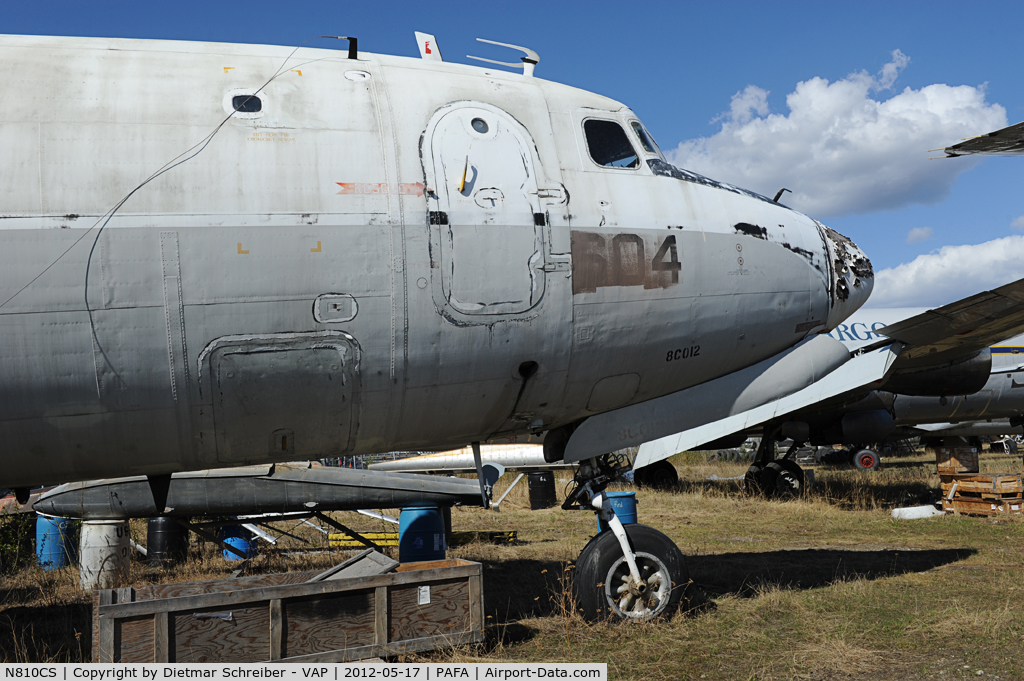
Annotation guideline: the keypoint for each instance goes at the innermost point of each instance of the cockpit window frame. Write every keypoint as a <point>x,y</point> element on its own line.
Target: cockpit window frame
<point>641,132</point>
<point>586,143</point>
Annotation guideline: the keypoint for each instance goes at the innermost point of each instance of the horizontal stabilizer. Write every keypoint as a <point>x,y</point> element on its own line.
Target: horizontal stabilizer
<point>281,488</point>
<point>697,430</point>
<point>960,329</point>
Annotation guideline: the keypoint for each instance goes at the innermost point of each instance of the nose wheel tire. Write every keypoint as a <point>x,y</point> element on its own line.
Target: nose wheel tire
<point>866,460</point>
<point>604,589</point>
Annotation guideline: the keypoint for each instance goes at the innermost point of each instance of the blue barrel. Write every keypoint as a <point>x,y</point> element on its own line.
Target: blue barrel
<point>239,538</point>
<point>55,542</point>
<point>420,534</point>
<point>624,505</point>
<point>242,544</point>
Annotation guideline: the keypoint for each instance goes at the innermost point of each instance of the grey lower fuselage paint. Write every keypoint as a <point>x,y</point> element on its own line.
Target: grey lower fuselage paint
<point>353,269</point>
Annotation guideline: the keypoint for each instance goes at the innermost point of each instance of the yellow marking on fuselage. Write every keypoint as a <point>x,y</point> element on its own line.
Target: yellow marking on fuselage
<point>240,251</point>
<point>228,68</point>
<point>317,249</point>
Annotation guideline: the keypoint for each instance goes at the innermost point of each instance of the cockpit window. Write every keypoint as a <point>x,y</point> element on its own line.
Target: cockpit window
<point>646,141</point>
<point>608,144</point>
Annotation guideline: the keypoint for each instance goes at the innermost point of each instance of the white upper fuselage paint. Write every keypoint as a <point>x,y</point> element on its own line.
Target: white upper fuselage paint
<point>358,266</point>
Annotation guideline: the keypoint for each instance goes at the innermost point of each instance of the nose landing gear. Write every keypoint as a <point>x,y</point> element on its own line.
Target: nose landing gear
<point>630,572</point>
<point>604,587</point>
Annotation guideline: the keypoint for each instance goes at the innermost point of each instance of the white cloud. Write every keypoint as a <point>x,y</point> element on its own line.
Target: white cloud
<point>841,151</point>
<point>1018,223</point>
<point>951,273</point>
<point>919,234</point>
<point>751,100</point>
<point>891,71</point>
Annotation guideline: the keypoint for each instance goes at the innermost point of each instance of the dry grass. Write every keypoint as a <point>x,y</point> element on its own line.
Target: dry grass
<point>826,587</point>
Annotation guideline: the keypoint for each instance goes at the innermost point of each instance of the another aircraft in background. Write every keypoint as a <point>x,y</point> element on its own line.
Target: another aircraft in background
<point>1008,141</point>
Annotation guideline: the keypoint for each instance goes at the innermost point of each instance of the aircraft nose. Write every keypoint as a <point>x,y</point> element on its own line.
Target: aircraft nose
<point>852,276</point>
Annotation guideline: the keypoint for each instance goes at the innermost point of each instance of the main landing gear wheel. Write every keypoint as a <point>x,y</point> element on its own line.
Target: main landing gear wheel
<point>866,460</point>
<point>659,475</point>
<point>602,585</point>
<point>752,481</point>
<point>782,479</point>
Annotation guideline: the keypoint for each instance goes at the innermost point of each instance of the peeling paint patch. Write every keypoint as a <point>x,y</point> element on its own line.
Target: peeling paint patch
<point>665,169</point>
<point>802,252</point>
<point>748,229</point>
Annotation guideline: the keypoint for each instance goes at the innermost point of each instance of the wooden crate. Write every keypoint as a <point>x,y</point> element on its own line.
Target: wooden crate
<point>956,458</point>
<point>985,494</point>
<point>984,486</point>
<point>987,507</point>
<point>420,606</point>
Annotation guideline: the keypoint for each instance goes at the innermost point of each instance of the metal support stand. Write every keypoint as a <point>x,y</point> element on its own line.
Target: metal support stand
<point>497,504</point>
<point>484,498</point>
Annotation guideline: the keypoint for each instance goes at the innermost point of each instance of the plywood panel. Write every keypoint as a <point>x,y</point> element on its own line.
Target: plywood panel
<point>322,624</point>
<point>447,613</point>
<point>149,593</point>
<point>243,638</point>
<point>136,639</point>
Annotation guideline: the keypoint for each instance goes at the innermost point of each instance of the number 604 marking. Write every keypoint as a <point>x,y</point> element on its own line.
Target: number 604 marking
<point>682,353</point>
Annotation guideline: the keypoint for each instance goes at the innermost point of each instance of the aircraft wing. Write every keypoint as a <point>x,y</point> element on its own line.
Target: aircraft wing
<point>967,428</point>
<point>1006,142</point>
<point>702,415</point>
<point>959,329</point>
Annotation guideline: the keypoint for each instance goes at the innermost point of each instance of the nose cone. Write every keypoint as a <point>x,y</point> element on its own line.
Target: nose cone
<point>852,277</point>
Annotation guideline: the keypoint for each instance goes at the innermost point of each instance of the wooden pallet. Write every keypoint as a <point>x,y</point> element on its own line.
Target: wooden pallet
<point>985,486</point>
<point>418,607</point>
<point>986,507</point>
<point>986,494</point>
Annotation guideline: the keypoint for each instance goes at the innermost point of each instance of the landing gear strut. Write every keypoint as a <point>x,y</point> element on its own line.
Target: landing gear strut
<point>631,572</point>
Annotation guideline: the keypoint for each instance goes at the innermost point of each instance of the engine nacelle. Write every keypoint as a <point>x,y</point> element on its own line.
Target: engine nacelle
<point>961,377</point>
<point>860,426</point>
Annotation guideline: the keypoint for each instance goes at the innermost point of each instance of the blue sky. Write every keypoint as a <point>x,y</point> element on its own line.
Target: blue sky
<point>679,66</point>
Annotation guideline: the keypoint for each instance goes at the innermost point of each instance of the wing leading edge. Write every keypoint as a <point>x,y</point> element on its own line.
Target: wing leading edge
<point>959,329</point>
<point>861,370</point>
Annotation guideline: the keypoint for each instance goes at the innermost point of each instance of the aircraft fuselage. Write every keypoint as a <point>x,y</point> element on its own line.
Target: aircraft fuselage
<point>387,254</point>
